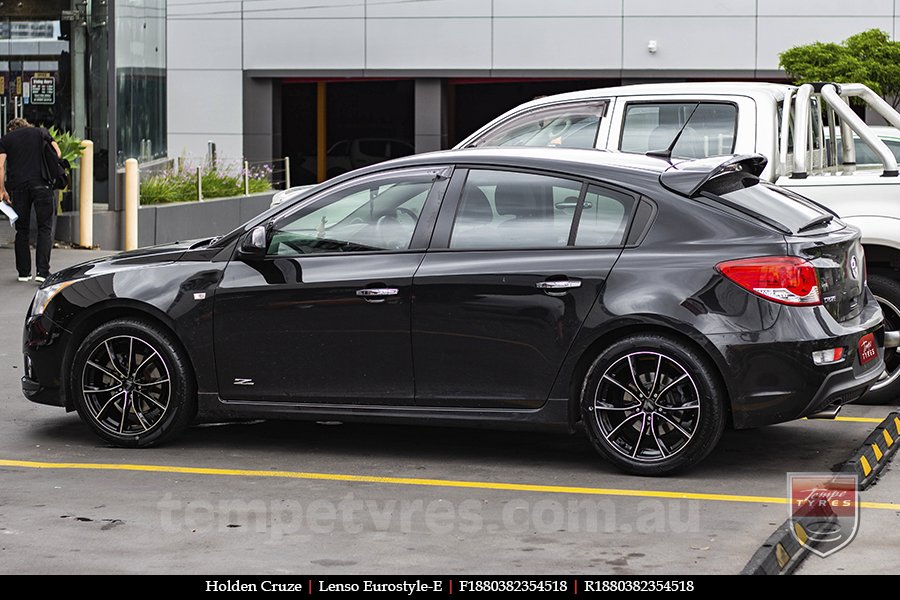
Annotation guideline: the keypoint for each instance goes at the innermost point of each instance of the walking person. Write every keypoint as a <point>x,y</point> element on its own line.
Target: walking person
<point>23,185</point>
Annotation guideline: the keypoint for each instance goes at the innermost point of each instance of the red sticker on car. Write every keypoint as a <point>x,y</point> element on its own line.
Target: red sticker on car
<point>867,349</point>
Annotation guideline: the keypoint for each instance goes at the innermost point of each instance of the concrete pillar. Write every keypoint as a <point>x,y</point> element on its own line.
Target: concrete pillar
<point>262,118</point>
<point>430,115</point>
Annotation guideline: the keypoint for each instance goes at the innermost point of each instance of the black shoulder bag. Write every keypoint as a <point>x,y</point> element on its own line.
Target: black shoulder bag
<point>54,168</point>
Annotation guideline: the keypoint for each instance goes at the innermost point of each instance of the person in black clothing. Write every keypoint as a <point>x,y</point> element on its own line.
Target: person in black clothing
<point>23,149</point>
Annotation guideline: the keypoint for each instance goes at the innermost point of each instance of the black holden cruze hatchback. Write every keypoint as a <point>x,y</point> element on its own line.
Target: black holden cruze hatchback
<point>651,304</point>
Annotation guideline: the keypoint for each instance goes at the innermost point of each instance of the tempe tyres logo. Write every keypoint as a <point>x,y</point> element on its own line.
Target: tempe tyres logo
<point>824,510</point>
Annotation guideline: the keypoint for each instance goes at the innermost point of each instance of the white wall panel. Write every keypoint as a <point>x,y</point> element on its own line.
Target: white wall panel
<point>205,102</point>
<point>557,8</point>
<point>428,44</point>
<point>212,44</point>
<point>690,43</point>
<point>304,44</point>
<point>822,8</point>
<point>716,8</point>
<point>432,8</point>
<point>558,43</point>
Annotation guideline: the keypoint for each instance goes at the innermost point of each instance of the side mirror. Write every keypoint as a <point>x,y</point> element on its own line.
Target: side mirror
<point>255,244</point>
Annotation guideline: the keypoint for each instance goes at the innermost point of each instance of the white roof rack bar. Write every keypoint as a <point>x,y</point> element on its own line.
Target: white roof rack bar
<point>833,97</point>
<point>801,131</point>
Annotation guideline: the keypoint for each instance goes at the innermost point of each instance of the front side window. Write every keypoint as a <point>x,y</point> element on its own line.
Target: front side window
<point>702,128</point>
<point>511,211</point>
<point>568,126</point>
<point>380,215</point>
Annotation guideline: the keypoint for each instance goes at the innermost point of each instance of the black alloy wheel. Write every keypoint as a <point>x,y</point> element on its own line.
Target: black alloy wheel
<point>652,405</point>
<point>131,384</point>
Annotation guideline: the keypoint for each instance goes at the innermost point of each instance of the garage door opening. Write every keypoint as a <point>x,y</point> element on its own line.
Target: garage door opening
<point>365,122</point>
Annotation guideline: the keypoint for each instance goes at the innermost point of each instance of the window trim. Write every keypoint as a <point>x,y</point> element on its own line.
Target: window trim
<point>629,104</point>
<point>423,231</point>
<point>452,201</point>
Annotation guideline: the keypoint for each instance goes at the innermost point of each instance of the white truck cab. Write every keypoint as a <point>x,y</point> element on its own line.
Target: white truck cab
<point>797,129</point>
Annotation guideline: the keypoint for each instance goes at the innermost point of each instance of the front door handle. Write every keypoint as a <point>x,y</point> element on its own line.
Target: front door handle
<point>558,287</point>
<point>376,295</point>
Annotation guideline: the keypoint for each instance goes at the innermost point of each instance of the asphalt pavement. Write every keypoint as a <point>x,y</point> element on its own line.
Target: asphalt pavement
<point>327,498</point>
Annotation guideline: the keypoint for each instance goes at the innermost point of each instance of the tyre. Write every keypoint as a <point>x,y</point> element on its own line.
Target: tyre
<point>131,383</point>
<point>652,405</point>
<point>887,389</point>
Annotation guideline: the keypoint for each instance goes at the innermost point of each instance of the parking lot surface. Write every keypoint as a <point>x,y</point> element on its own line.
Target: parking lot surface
<point>289,497</point>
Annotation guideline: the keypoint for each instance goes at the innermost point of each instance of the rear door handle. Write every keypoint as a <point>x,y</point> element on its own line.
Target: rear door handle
<point>558,287</point>
<point>376,295</point>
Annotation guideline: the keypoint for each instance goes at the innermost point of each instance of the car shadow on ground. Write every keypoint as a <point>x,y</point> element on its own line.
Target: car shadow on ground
<point>369,449</point>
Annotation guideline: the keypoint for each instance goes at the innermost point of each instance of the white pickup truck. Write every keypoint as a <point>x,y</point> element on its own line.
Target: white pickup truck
<point>798,129</point>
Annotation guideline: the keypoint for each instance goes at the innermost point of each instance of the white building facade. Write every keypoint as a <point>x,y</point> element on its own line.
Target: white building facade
<point>264,78</point>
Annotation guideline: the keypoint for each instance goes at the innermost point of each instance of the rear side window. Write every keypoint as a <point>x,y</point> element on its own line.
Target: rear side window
<point>504,209</point>
<point>513,210</point>
<point>707,128</point>
<point>604,218</point>
<point>567,126</point>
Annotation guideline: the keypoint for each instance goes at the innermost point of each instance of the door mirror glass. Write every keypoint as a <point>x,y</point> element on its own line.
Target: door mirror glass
<point>255,243</point>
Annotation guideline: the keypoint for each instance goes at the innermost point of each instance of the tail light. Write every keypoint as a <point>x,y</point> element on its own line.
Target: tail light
<point>783,279</point>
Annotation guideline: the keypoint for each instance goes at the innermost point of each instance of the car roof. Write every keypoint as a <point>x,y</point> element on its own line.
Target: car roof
<point>741,88</point>
<point>557,159</point>
<point>638,170</point>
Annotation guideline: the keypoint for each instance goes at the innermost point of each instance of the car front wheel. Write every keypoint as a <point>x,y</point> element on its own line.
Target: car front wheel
<point>132,385</point>
<point>652,405</point>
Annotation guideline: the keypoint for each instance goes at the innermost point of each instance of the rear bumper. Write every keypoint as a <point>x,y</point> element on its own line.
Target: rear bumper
<point>771,376</point>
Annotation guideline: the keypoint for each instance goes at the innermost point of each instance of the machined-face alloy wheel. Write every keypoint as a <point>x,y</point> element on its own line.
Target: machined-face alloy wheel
<point>132,383</point>
<point>126,385</point>
<point>652,404</point>
<point>647,406</point>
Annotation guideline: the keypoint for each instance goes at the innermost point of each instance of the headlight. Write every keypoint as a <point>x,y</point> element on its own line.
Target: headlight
<point>44,295</point>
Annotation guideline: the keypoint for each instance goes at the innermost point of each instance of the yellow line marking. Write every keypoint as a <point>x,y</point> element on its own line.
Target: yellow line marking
<point>859,419</point>
<point>865,465</point>
<point>442,483</point>
<point>877,451</point>
<point>887,438</point>
<point>897,424</point>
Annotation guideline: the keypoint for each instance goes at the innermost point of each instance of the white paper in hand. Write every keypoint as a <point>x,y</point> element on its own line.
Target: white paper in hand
<point>9,212</point>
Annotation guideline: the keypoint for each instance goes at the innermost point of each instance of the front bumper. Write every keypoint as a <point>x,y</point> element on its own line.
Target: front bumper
<point>44,346</point>
<point>771,376</point>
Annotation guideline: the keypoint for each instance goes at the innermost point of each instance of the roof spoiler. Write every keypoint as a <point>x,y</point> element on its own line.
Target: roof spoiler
<point>690,176</point>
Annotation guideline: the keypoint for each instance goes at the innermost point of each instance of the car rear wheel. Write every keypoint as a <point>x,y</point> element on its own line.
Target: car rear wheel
<point>887,389</point>
<point>131,384</point>
<point>652,405</point>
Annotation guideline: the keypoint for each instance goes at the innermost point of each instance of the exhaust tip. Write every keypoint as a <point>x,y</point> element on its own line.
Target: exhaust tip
<point>829,412</point>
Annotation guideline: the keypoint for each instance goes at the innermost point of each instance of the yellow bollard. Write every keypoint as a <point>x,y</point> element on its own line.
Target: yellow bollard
<point>86,195</point>
<point>132,202</point>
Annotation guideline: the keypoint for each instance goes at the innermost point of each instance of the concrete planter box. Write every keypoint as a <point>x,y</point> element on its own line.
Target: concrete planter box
<point>162,223</point>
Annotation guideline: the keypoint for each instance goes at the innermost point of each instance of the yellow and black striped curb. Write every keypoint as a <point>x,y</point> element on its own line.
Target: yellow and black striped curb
<point>870,459</point>
<point>781,553</point>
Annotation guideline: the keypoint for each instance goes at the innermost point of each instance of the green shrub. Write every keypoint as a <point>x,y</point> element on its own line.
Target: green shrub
<point>173,185</point>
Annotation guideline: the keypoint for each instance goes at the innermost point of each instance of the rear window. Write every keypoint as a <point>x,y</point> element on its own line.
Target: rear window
<point>705,128</point>
<point>752,194</point>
